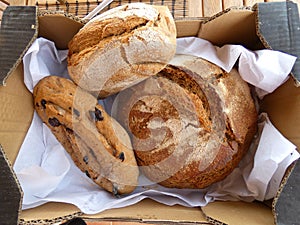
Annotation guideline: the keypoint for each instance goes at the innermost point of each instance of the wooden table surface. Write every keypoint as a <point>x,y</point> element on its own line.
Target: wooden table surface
<point>197,8</point>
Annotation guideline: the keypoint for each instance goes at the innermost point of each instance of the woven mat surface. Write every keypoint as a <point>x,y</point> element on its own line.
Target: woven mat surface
<point>179,8</point>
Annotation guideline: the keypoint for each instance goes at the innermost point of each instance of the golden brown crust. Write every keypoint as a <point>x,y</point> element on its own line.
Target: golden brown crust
<point>99,146</point>
<point>191,124</point>
<point>122,47</point>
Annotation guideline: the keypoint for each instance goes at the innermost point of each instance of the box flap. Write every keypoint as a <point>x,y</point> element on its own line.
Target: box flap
<point>188,27</point>
<point>152,212</point>
<point>232,26</point>
<point>16,113</point>
<point>69,25</point>
<point>285,101</point>
<point>278,27</point>
<point>18,30</point>
<point>155,212</point>
<point>10,194</point>
<point>286,205</point>
<point>273,25</point>
<point>233,213</point>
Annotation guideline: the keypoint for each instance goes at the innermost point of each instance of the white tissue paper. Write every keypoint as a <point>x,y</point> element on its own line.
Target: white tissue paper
<point>47,173</point>
<point>265,69</point>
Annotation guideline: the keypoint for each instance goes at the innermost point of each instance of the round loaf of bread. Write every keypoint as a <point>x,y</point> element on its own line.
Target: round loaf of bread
<point>122,47</point>
<point>191,124</point>
<point>97,143</point>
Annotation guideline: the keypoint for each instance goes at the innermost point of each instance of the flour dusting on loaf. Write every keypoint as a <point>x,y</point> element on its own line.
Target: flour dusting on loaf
<point>191,124</point>
<point>122,47</point>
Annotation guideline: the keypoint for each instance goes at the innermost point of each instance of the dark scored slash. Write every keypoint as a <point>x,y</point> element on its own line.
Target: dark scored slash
<point>69,130</point>
<point>44,102</point>
<point>54,122</point>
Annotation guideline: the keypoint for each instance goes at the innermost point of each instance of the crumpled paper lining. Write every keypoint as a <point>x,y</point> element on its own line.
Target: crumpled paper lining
<point>265,69</point>
<point>47,173</point>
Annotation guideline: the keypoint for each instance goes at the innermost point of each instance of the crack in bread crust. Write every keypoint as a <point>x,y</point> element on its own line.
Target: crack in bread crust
<point>215,123</point>
<point>106,29</point>
<point>122,47</point>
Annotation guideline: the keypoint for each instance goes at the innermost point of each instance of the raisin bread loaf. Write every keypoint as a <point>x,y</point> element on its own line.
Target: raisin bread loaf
<point>98,145</point>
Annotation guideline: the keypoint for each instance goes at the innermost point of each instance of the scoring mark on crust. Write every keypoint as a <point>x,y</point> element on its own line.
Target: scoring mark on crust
<point>123,55</point>
<point>54,122</point>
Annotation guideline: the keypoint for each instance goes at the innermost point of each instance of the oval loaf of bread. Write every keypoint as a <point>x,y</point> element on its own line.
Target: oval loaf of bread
<point>98,145</point>
<point>191,124</point>
<point>122,47</point>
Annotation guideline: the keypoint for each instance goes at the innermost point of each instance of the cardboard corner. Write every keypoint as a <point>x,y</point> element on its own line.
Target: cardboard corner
<point>278,27</point>
<point>19,28</point>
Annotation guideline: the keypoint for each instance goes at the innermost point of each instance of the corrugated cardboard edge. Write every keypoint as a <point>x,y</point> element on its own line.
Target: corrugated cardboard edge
<point>11,45</point>
<point>208,19</point>
<point>11,193</point>
<point>287,196</point>
<point>144,221</point>
<point>64,31</point>
<point>57,220</point>
<point>214,221</point>
<point>286,25</point>
<point>68,15</point>
<point>227,22</point>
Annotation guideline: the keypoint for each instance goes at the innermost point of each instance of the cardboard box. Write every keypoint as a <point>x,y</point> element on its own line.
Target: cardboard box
<point>266,25</point>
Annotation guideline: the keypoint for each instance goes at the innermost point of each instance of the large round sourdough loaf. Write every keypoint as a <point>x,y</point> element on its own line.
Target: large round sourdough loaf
<point>122,47</point>
<point>191,124</point>
<point>97,143</point>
